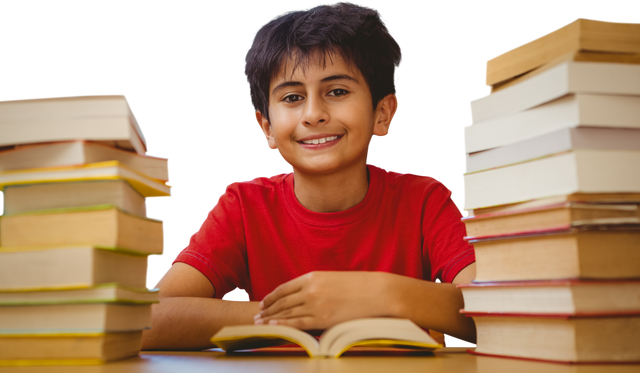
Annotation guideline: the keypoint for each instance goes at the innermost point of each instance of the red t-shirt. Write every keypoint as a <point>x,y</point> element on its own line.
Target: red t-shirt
<point>259,236</point>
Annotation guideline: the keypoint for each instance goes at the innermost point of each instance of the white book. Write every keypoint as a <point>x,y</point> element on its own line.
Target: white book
<point>553,143</point>
<point>575,110</point>
<point>566,78</point>
<point>98,118</point>
<point>68,268</point>
<point>571,296</point>
<point>580,171</point>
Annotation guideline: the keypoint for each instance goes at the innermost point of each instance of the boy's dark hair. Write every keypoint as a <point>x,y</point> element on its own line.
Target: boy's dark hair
<point>353,32</point>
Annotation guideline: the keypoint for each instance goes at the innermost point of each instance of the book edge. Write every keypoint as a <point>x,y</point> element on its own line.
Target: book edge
<point>568,362</point>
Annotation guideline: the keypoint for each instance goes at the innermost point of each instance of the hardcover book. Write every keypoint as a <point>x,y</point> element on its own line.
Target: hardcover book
<point>107,119</point>
<point>581,35</point>
<point>73,153</point>
<point>71,267</point>
<point>553,297</point>
<point>68,349</point>
<point>562,338</point>
<point>100,226</point>
<point>110,170</point>
<point>587,252</point>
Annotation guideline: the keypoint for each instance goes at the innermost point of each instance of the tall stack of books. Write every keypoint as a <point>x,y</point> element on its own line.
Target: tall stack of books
<point>552,188</point>
<point>74,237</point>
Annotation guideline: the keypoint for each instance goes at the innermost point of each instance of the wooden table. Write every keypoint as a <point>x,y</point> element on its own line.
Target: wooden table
<point>445,360</point>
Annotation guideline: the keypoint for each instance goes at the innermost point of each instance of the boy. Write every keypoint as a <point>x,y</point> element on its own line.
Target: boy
<point>336,239</point>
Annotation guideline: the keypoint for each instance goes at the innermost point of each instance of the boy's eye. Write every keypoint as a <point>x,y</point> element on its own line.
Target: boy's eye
<point>287,99</point>
<point>337,92</point>
<point>344,92</point>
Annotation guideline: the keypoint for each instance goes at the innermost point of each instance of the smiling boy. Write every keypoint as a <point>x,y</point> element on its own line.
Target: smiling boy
<point>337,239</point>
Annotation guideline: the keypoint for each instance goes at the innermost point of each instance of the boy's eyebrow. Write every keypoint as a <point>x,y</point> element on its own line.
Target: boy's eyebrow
<point>324,80</point>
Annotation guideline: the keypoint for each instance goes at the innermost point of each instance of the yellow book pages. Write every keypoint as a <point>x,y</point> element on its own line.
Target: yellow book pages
<point>111,170</point>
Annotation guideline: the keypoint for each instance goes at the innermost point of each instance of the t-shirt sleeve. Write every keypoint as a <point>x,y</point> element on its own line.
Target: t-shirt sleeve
<point>218,249</point>
<point>448,253</point>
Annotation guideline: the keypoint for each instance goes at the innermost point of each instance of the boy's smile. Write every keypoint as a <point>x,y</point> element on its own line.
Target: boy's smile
<point>322,123</point>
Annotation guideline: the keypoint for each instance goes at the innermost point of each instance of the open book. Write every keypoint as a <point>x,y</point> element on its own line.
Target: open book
<point>370,332</point>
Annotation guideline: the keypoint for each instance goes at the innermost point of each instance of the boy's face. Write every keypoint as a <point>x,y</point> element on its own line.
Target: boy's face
<point>322,119</point>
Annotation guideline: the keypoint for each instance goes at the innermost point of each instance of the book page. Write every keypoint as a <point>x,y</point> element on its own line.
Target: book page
<point>380,338</point>
<point>343,336</point>
<point>245,337</point>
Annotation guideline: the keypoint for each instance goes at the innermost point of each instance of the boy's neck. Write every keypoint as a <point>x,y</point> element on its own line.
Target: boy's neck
<point>334,192</point>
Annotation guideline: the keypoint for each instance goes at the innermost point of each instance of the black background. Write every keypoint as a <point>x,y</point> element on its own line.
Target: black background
<point>180,67</point>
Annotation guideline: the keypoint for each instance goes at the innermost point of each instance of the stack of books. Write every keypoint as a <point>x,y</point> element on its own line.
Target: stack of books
<point>74,236</point>
<point>552,188</point>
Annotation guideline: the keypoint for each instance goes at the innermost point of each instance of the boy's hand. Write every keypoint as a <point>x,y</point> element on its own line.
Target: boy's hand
<point>319,300</point>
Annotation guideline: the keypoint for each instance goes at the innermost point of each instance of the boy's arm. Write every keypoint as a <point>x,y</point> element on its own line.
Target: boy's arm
<point>319,300</point>
<point>438,305</point>
<point>187,315</point>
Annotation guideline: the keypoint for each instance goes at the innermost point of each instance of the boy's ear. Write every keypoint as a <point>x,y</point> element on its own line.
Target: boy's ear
<point>265,126</point>
<point>385,111</point>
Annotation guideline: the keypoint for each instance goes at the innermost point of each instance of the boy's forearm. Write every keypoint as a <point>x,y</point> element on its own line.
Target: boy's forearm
<point>428,304</point>
<point>187,323</point>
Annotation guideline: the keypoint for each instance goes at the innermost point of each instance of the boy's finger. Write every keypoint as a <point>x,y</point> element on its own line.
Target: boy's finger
<point>283,290</point>
<point>282,308</point>
<point>290,318</point>
<point>293,312</point>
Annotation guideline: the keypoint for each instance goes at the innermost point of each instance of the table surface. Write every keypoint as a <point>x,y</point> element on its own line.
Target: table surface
<point>443,360</point>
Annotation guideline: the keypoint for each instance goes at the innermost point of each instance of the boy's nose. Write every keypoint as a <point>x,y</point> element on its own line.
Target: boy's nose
<point>314,112</point>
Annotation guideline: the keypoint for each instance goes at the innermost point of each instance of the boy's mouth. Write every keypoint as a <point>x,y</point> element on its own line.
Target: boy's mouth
<point>320,140</point>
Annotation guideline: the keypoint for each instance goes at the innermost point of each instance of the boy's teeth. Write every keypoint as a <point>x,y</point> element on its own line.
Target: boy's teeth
<point>320,141</point>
